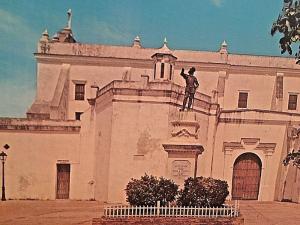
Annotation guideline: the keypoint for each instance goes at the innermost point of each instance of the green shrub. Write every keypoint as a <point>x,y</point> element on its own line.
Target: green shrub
<point>203,192</point>
<point>147,190</point>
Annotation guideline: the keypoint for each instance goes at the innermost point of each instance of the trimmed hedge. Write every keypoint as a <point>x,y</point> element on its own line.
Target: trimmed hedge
<point>199,192</point>
<point>203,191</point>
<point>147,190</point>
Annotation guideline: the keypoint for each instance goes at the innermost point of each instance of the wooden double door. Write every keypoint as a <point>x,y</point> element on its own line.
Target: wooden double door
<point>246,177</point>
<point>63,181</point>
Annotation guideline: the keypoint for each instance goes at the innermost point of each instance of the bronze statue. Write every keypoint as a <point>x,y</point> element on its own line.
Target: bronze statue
<point>191,86</point>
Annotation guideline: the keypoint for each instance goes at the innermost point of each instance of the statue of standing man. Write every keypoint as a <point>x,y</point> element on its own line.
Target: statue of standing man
<point>190,89</point>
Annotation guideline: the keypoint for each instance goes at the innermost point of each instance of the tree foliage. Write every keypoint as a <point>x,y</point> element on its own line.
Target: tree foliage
<point>292,157</point>
<point>288,24</point>
<point>203,192</point>
<point>147,190</point>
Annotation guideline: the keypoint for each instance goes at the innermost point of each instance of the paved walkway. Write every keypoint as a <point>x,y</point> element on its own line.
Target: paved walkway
<point>82,212</point>
<point>59,212</point>
<point>270,213</point>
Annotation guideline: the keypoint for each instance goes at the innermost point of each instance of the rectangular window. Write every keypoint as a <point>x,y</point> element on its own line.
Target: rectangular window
<point>77,115</point>
<point>243,98</point>
<point>162,70</point>
<point>292,102</point>
<point>171,68</point>
<point>79,91</point>
<point>154,71</point>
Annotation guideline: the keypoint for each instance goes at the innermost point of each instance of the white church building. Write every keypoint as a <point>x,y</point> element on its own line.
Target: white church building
<point>105,114</point>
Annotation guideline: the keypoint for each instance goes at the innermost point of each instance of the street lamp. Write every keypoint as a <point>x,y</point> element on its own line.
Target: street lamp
<point>3,157</point>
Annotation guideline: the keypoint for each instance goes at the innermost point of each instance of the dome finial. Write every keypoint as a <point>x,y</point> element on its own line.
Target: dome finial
<point>45,33</point>
<point>223,48</point>
<point>137,42</point>
<point>69,13</point>
<point>45,36</point>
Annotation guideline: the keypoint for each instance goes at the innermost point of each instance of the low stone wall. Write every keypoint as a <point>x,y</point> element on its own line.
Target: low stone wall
<point>168,221</point>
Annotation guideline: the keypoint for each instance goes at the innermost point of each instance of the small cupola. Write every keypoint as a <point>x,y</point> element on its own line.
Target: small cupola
<point>223,51</point>
<point>223,48</point>
<point>137,42</point>
<point>164,62</point>
<point>43,44</point>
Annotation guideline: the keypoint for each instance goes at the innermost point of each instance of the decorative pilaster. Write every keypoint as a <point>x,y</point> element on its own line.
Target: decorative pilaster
<point>221,87</point>
<point>279,91</point>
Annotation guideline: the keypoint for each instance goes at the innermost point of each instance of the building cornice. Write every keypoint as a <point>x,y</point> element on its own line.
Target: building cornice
<point>148,63</point>
<point>249,116</point>
<point>119,51</point>
<point>92,60</point>
<point>223,111</point>
<point>27,125</point>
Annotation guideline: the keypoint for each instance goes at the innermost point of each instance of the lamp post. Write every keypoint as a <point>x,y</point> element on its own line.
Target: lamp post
<point>3,157</point>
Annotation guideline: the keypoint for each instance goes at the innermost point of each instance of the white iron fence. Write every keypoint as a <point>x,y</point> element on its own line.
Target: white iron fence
<point>171,211</point>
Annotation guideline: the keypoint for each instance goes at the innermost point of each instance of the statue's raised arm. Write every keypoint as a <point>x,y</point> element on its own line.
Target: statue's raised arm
<point>183,74</point>
<point>191,86</point>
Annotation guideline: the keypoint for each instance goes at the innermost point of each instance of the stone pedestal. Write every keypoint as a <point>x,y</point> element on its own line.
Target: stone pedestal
<point>183,147</point>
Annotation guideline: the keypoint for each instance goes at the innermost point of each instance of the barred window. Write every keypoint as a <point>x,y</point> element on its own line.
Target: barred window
<point>243,99</point>
<point>79,91</point>
<point>292,102</point>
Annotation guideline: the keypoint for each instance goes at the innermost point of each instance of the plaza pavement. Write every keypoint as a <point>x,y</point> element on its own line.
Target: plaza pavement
<point>67,212</point>
<point>270,213</point>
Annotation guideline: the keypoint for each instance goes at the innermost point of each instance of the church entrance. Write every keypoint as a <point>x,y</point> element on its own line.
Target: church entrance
<point>63,181</point>
<point>246,177</point>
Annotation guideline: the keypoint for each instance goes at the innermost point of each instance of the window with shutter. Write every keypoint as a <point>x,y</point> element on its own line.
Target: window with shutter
<point>243,99</point>
<point>79,91</point>
<point>292,102</point>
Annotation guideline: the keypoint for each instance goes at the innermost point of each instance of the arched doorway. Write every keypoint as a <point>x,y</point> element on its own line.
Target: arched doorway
<point>246,177</point>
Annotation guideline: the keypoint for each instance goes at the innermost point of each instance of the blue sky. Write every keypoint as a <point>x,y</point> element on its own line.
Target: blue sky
<point>187,24</point>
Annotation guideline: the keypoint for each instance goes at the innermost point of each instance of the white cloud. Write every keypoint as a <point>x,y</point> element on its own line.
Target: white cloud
<point>110,32</point>
<point>104,32</point>
<point>217,3</point>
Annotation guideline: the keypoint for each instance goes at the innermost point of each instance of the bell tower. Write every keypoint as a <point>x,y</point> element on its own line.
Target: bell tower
<point>164,62</point>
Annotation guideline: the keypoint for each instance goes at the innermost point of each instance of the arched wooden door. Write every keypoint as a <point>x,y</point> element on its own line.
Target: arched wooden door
<point>246,177</point>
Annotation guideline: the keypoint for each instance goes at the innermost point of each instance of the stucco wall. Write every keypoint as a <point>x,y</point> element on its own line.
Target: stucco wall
<point>290,86</point>
<point>99,75</point>
<point>137,133</point>
<point>259,88</point>
<point>223,163</point>
<point>133,129</point>
<point>31,163</point>
<point>37,146</point>
<point>102,157</point>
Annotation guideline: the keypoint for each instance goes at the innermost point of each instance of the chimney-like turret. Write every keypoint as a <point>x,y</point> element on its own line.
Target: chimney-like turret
<point>164,62</point>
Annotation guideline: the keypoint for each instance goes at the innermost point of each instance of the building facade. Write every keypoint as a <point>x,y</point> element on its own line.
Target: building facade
<point>105,114</point>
